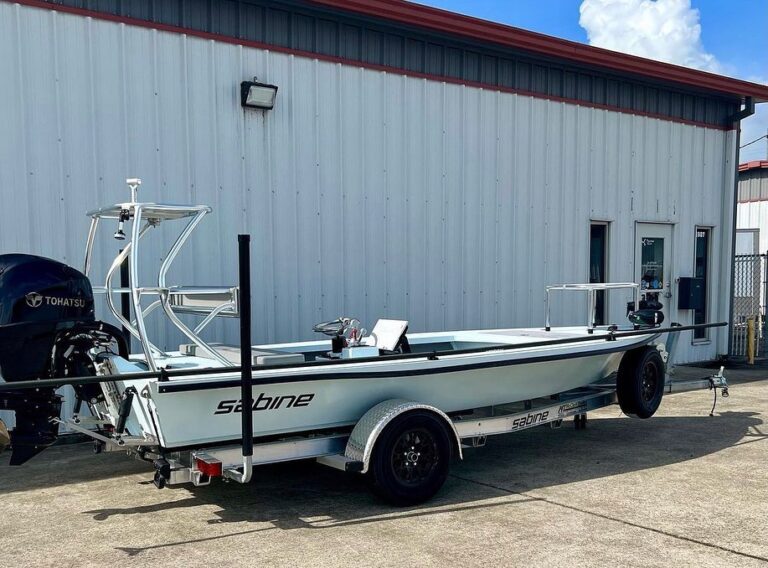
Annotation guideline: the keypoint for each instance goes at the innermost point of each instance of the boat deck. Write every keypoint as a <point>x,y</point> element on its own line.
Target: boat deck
<point>447,344</point>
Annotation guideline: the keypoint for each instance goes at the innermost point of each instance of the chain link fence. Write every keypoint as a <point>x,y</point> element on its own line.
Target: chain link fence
<point>749,298</point>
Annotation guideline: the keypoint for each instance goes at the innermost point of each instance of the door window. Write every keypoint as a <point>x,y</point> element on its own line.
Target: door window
<point>598,253</point>
<point>652,263</point>
<point>701,270</point>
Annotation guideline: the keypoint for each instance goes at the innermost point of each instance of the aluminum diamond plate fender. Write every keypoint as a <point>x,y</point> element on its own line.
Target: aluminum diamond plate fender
<point>367,430</point>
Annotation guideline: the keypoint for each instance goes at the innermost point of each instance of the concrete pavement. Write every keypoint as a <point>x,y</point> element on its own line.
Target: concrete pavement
<point>681,488</point>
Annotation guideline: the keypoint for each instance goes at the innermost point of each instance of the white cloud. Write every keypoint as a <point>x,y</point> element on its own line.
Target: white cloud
<point>665,30</point>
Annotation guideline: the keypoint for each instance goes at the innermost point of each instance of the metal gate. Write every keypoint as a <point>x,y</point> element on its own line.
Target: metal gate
<point>749,298</point>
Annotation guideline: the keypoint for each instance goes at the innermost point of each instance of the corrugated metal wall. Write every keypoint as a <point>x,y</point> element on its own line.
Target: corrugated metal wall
<point>753,203</point>
<point>753,185</point>
<point>367,193</point>
<point>309,27</point>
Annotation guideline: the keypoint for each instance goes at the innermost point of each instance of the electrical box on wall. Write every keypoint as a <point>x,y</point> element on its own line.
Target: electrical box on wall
<point>690,294</point>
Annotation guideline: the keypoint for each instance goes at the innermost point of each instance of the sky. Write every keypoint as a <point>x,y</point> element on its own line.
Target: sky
<point>729,37</point>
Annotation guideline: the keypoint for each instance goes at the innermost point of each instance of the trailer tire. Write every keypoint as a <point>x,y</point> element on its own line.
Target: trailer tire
<point>640,382</point>
<point>410,460</point>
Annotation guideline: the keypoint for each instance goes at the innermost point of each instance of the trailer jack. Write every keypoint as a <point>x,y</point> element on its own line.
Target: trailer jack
<point>162,472</point>
<point>718,381</point>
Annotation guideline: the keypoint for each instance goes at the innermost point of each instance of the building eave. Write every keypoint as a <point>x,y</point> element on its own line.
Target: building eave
<point>443,21</point>
<point>753,165</point>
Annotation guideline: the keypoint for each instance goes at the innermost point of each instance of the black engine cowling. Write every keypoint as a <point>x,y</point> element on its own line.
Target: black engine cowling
<point>38,298</point>
<point>47,327</point>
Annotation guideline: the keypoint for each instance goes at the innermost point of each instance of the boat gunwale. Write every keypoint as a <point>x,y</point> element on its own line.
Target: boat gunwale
<point>224,382</point>
<point>609,336</point>
<point>164,375</point>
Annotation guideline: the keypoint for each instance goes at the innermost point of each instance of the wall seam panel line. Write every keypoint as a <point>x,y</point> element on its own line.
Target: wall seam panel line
<point>342,250</point>
<point>496,225</point>
<point>59,131</point>
<point>271,195</point>
<point>92,94</point>
<point>295,194</point>
<point>405,299</point>
<point>25,122</point>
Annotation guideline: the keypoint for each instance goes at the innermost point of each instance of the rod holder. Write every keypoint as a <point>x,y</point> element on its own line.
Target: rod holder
<point>133,185</point>
<point>246,372</point>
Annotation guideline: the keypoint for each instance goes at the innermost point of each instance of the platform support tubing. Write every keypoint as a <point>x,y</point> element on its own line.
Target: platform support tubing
<point>133,278</point>
<point>591,307</point>
<point>246,372</point>
<point>125,300</point>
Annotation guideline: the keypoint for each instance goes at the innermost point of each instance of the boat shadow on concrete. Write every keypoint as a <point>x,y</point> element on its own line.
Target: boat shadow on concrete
<point>506,473</point>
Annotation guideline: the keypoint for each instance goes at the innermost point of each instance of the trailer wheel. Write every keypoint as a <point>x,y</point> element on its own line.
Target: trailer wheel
<point>410,460</point>
<point>640,382</point>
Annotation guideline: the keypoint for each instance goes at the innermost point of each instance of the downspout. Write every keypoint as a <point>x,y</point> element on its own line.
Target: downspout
<point>747,111</point>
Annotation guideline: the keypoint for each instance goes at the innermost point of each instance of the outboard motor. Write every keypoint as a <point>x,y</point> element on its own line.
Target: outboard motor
<point>47,330</point>
<point>649,314</point>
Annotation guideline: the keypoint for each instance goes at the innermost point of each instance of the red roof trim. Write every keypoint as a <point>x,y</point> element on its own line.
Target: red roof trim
<point>259,45</point>
<point>754,165</point>
<point>486,31</point>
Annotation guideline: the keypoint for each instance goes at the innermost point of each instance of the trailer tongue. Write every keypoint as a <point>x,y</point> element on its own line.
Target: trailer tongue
<point>393,405</point>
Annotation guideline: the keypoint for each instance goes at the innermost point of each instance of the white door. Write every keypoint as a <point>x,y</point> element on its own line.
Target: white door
<point>653,266</point>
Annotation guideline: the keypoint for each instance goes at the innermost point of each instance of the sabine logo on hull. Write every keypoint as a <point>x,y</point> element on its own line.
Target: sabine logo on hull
<point>35,300</point>
<point>263,402</point>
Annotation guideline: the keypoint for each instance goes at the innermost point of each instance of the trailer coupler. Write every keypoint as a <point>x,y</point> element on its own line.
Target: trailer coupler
<point>714,383</point>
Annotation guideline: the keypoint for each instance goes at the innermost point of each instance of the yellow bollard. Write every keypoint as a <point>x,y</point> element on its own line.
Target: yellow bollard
<point>751,341</point>
<point>5,438</point>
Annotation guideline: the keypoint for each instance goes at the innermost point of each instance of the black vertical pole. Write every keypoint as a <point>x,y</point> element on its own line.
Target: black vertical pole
<point>125,299</point>
<point>246,373</point>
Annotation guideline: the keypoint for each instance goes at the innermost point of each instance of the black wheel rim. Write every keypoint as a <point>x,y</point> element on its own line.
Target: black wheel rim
<point>414,456</point>
<point>650,382</point>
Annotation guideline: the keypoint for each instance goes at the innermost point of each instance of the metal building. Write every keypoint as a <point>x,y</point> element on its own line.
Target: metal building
<point>417,164</point>
<point>752,220</point>
<point>750,263</point>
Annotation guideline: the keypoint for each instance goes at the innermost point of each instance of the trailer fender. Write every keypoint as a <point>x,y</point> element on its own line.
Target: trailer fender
<point>366,431</point>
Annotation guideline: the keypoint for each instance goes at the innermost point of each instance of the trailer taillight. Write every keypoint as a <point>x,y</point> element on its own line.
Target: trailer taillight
<point>208,465</point>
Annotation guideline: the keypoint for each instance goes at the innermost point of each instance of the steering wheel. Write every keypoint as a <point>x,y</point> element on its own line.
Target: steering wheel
<point>333,328</point>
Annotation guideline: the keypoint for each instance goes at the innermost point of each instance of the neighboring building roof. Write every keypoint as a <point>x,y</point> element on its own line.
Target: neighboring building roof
<point>754,165</point>
<point>416,15</point>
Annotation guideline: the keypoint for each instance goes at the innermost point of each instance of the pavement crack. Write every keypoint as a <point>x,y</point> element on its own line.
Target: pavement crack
<point>613,519</point>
